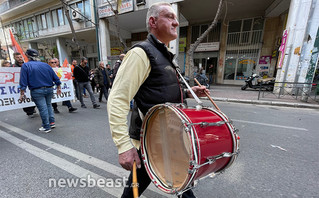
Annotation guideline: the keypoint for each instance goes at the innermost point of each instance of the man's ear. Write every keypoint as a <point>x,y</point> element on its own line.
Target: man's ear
<point>152,22</point>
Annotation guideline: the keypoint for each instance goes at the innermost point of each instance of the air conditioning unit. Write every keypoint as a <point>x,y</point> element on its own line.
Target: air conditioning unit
<point>140,2</point>
<point>76,15</point>
<point>13,30</point>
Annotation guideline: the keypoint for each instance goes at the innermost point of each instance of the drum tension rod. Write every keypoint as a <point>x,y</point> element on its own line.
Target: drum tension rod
<point>211,160</point>
<point>206,124</point>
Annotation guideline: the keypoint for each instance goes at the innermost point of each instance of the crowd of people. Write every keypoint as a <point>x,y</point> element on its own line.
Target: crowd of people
<point>40,78</point>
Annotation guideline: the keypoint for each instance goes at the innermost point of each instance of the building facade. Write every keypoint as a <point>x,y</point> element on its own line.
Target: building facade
<point>246,40</point>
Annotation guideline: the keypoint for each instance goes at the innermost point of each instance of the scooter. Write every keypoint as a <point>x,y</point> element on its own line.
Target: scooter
<point>266,83</point>
<point>202,79</point>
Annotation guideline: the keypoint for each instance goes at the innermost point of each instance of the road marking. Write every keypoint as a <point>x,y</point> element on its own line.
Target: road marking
<point>59,162</point>
<point>271,125</point>
<point>110,168</point>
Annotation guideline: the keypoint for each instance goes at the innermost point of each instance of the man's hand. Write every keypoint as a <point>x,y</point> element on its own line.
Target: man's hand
<point>97,85</point>
<point>58,90</point>
<point>199,91</point>
<point>22,96</point>
<point>127,159</point>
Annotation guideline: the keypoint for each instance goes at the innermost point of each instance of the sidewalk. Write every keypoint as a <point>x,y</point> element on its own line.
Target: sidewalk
<point>233,93</point>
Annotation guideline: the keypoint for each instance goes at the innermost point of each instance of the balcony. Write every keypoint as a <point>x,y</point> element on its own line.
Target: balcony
<point>10,8</point>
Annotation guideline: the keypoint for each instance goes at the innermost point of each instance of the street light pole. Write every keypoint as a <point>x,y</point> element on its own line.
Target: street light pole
<point>97,30</point>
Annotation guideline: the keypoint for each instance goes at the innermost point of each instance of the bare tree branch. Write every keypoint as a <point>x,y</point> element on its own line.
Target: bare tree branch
<point>199,40</point>
<point>67,14</point>
<point>116,15</point>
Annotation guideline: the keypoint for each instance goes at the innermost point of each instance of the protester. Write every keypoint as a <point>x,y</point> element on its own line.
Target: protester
<point>117,65</point>
<point>75,83</point>
<point>102,81</point>
<point>53,63</point>
<point>18,62</point>
<point>40,78</point>
<point>81,74</point>
<point>147,74</point>
<point>6,64</point>
<point>210,73</point>
<point>92,81</point>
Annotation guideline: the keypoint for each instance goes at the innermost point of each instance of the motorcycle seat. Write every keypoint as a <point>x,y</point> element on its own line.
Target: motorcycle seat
<point>264,80</point>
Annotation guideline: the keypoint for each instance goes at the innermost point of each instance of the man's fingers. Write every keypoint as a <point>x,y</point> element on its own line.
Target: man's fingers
<point>138,162</point>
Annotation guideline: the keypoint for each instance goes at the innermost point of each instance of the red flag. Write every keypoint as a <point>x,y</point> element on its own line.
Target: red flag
<point>65,63</point>
<point>16,47</point>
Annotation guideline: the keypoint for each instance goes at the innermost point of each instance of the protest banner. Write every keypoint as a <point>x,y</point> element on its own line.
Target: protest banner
<point>10,92</point>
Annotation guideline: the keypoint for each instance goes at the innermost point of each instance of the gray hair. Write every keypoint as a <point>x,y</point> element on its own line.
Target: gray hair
<point>154,11</point>
<point>101,62</point>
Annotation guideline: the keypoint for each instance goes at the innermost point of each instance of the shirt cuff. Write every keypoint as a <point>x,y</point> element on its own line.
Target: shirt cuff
<point>125,146</point>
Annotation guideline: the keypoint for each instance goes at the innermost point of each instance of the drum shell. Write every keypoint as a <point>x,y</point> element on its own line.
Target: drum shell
<point>211,140</point>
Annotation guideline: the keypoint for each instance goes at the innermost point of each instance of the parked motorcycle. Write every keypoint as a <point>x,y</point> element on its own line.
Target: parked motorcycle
<point>266,83</point>
<point>202,79</point>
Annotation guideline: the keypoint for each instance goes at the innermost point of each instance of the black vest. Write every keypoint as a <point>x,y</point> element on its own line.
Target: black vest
<point>160,87</point>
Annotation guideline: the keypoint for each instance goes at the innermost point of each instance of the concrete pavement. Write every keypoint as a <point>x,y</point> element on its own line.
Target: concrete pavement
<point>233,93</point>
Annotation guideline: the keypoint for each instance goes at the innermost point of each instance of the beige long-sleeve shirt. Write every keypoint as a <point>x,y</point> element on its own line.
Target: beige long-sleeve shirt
<point>132,73</point>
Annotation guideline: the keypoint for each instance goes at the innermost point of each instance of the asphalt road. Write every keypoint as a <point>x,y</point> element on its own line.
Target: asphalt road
<point>278,155</point>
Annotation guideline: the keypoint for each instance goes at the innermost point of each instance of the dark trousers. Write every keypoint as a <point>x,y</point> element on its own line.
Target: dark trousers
<point>29,110</point>
<point>76,88</point>
<point>103,91</point>
<point>143,182</point>
<point>66,103</point>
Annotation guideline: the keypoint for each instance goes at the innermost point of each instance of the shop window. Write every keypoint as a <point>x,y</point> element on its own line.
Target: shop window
<point>230,67</point>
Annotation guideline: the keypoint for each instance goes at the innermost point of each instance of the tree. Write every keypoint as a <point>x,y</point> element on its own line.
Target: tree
<point>116,15</point>
<point>67,14</point>
<point>199,40</point>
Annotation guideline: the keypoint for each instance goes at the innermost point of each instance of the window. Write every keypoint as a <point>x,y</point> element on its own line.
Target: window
<point>80,5</point>
<point>26,29</point>
<point>195,33</point>
<point>247,31</point>
<point>243,46</point>
<point>60,17</point>
<point>44,21</point>
<point>213,35</point>
<point>55,18</point>
<point>49,20</point>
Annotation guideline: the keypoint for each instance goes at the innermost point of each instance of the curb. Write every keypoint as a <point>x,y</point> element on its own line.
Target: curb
<point>272,103</point>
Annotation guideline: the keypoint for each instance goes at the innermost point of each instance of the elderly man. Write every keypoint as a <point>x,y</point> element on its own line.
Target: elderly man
<point>54,62</point>
<point>148,75</point>
<point>40,78</point>
<point>102,80</point>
